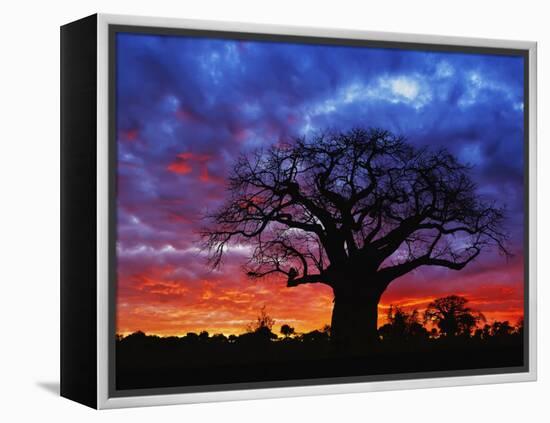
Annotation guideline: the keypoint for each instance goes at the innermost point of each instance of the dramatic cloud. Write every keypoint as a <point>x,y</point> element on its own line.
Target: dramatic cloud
<point>187,106</point>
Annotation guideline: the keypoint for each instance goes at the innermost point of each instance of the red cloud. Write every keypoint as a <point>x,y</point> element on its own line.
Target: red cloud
<point>179,167</point>
<point>130,134</point>
<point>162,301</point>
<point>178,218</point>
<point>189,162</point>
<point>158,304</point>
<point>187,115</point>
<point>195,157</point>
<point>184,163</point>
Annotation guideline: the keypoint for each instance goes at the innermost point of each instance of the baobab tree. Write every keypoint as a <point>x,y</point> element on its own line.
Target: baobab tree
<point>452,316</point>
<point>356,211</point>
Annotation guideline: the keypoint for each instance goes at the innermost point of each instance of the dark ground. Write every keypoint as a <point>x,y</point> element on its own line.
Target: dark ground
<point>152,362</point>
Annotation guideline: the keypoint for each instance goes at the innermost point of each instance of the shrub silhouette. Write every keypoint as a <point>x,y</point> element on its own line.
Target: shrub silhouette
<point>501,328</point>
<point>287,330</point>
<point>259,331</point>
<point>262,321</point>
<point>402,326</point>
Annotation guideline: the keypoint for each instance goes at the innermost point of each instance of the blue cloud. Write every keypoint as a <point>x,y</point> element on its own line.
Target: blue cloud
<point>216,98</point>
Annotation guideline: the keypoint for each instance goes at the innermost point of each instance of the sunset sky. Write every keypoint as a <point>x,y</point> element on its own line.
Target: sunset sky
<point>186,107</point>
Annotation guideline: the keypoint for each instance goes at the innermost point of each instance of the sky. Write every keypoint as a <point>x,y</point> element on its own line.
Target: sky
<point>186,107</point>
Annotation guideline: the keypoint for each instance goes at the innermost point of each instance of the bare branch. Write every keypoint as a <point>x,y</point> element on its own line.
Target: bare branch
<point>362,199</point>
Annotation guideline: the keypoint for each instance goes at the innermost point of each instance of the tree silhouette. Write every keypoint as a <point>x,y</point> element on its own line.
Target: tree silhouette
<point>452,316</point>
<point>501,328</point>
<point>259,330</point>
<point>263,321</point>
<point>402,326</point>
<point>287,330</point>
<point>519,327</point>
<point>355,211</point>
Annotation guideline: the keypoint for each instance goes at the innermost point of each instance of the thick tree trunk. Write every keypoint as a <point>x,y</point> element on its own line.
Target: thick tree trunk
<point>355,318</point>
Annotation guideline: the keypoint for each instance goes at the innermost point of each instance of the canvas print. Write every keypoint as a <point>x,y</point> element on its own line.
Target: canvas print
<point>298,211</point>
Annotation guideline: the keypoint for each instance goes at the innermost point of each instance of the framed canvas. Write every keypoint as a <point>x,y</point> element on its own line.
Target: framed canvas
<point>253,211</point>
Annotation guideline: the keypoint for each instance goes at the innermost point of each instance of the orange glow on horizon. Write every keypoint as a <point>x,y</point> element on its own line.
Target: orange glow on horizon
<point>160,306</point>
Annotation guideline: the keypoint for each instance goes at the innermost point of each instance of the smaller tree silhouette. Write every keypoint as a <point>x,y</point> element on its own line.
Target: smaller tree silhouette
<point>259,330</point>
<point>452,317</point>
<point>287,330</point>
<point>402,326</point>
<point>191,338</point>
<point>518,330</point>
<point>500,329</point>
<point>263,321</point>
<point>483,333</point>
<point>219,338</point>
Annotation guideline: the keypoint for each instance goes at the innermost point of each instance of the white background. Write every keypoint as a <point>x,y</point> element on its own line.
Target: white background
<point>29,211</point>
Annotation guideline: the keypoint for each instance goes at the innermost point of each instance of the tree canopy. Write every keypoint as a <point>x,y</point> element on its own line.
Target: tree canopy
<point>452,316</point>
<point>362,198</point>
